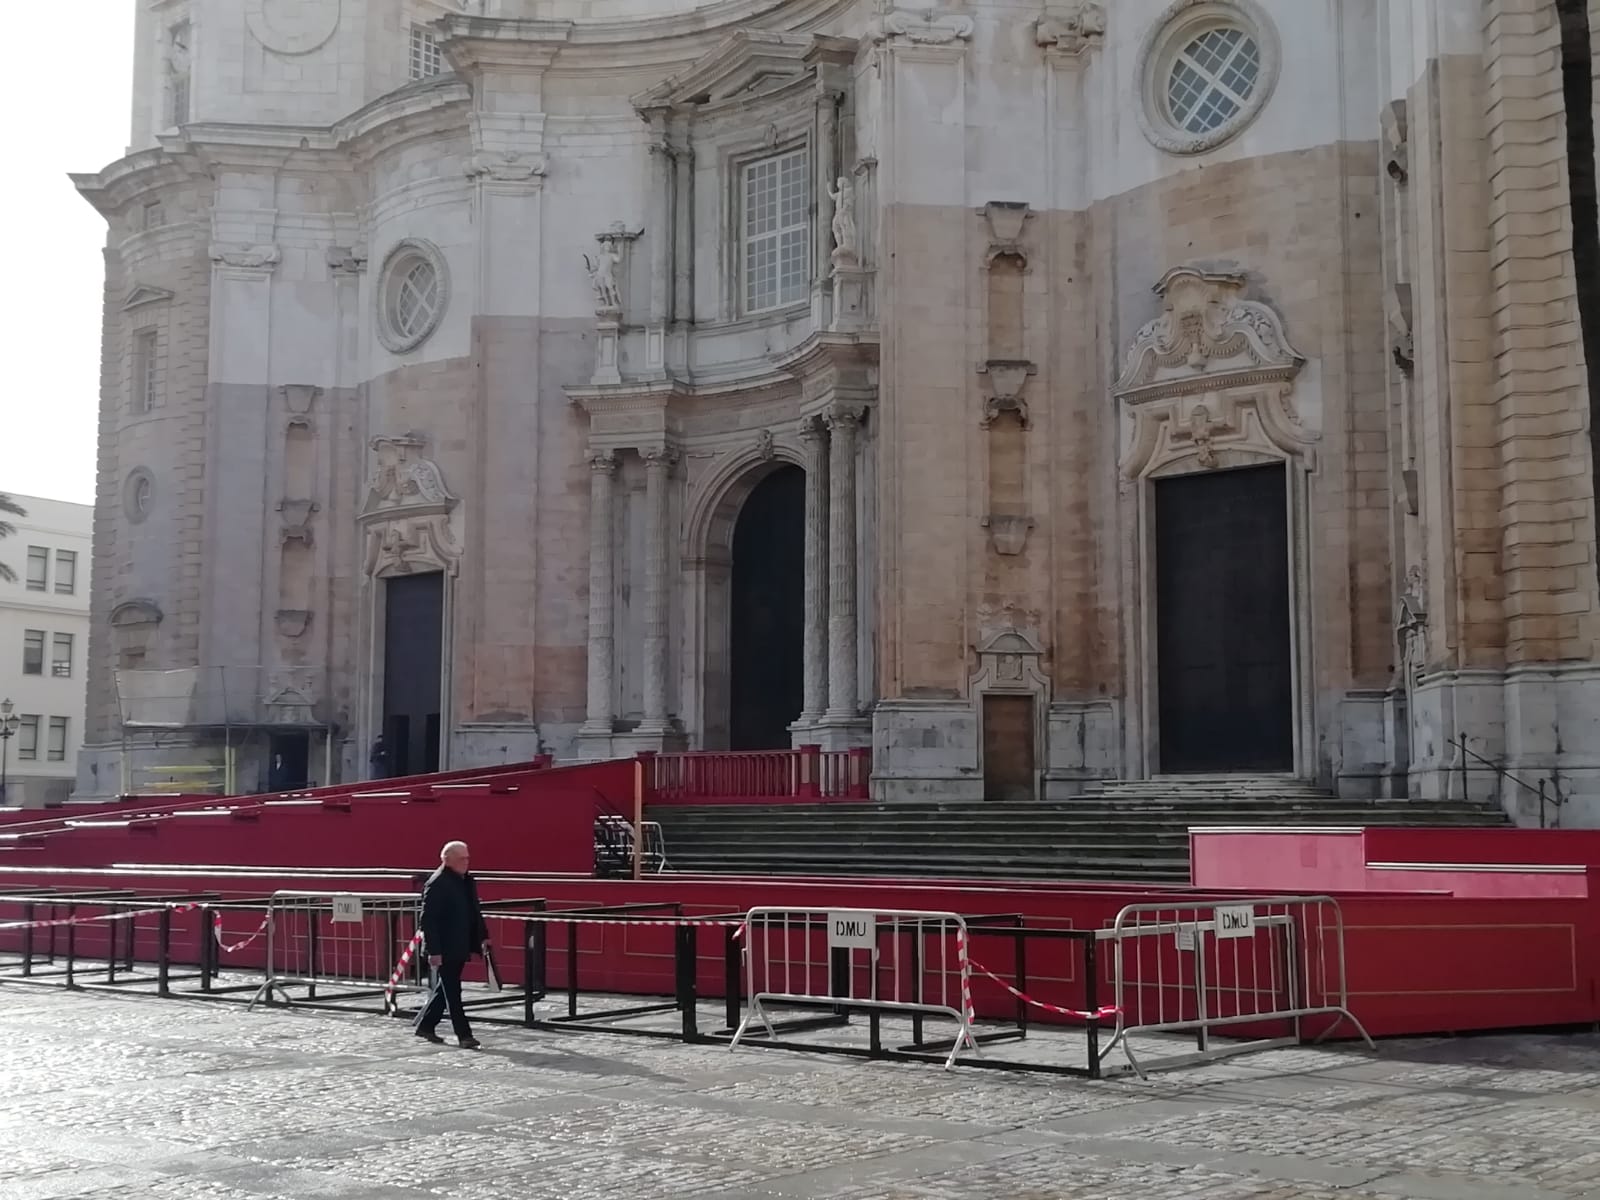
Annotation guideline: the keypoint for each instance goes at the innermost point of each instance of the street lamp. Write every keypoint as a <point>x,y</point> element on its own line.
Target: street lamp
<point>8,726</point>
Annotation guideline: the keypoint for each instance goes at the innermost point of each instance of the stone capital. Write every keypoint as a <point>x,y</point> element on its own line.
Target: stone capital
<point>603,461</point>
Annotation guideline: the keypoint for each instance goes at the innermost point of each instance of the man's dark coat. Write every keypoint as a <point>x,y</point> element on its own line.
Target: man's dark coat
<point>452,921</point>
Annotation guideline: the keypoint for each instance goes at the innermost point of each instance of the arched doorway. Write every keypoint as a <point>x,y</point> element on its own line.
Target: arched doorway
<point>766,618</point>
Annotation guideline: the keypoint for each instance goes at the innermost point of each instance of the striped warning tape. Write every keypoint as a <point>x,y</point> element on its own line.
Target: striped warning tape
<point>1100,1014</point>
<point>130,915</point>
<point>216,931</point>
<point>400,969</point>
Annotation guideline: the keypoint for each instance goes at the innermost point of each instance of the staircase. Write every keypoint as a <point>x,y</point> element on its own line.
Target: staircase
<point>1133,832</point>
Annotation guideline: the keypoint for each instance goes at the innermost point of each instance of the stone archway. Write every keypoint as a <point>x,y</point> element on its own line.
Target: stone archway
<point>745,572</point>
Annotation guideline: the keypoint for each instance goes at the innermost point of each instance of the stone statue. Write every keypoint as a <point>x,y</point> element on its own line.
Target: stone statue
<point>844,222</point>
<point>603,274</point>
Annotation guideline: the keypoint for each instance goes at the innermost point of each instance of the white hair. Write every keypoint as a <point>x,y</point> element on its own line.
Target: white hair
<point>450,848</point>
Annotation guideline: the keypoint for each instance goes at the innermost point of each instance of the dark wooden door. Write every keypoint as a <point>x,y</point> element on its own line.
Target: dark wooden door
<point>1222,622</point>
<point>413,642</point>
<point>1008,748</point>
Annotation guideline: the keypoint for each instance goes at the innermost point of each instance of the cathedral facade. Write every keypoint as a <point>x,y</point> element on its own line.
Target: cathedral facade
<point>1039,392</point>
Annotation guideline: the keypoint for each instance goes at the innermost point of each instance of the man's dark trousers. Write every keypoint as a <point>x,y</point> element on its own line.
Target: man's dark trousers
<point>446,992</point>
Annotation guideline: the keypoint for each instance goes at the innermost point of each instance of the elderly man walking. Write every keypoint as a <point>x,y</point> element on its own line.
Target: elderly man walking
<point>453,931</point>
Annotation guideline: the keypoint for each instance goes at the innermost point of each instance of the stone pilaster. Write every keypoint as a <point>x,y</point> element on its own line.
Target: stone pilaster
<point>817,568</point>
<point>843,425</point>
<point>662,237</point>
<point>657,470</point>
<point>598,720</point>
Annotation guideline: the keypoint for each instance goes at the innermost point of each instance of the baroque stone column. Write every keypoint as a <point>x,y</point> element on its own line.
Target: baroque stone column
<point>603,469</point>
<point>657,467</point>
<point>817,567</point>
<point>843,424</point>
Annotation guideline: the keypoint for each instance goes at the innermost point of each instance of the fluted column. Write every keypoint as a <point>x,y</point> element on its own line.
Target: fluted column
<point>603,468</point>
<point>842,698</point>
<point>657,467</point>
<point>817,567</point>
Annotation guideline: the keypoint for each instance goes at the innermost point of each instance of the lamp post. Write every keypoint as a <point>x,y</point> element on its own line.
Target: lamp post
<point>8,726</point>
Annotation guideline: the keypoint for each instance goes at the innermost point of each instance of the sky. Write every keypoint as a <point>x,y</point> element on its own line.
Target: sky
<point>60,122</point>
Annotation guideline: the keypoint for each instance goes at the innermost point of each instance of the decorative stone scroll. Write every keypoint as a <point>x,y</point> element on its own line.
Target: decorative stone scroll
<point>1072,28</point>
<point>406,517</point>
<point>923,28</point>
<point>1213,373</point>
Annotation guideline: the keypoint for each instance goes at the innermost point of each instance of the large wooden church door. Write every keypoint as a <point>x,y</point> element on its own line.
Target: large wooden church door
<point>1223,664</point>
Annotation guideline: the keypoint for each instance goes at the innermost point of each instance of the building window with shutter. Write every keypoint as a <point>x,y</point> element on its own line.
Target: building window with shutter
<point>66,572</point>
<point>58,739</point>
<point>33,652</point>
<point>61,656</point>
<point>28,737</point>
<point>38,569</point>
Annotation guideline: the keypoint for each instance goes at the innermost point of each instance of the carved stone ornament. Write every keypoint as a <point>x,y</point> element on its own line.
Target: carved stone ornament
<point>1008,532</point>
<point>1072,28</point>
<point>1411,621</point>
<point>1397,310</point>
<point>299,397</point>
<point>506,168</point>
<point>924,28</point>
<point>292,27</point>
<point>346,260</point>
<point>244,258</point>
<point>1006,379</point>
<point>764,446</point>
<point>1396,147</point>
<point>296,520</point>
<point>1213,373</point>
<point>1006,219</point>
<point>407,511</point>
<point>290,696</point>
<point>292,622</point>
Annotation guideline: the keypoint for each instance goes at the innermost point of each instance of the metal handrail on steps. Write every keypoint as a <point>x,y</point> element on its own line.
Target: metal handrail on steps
<point>1543,789</point>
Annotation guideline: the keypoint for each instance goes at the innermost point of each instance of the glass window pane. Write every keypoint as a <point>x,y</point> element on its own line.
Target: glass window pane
<point>61,655</point>
<point>66,572</point>
<point>33,652</point>
<point>58,739</point>
<point>28,736</point>
<point>38,568</point>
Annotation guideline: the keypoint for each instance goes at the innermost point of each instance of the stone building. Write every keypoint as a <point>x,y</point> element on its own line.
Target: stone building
<point>44,636</point>
<point>1038,391</point>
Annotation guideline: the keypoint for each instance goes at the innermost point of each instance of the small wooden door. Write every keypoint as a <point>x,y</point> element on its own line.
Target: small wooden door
<point>413,639</point>
<point>1008,767</point>
<point>1223,665</point>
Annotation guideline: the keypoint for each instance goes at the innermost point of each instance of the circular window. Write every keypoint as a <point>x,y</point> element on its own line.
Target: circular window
<point>414,287</point>
<point>138,493</point>
<point>1206,71</point>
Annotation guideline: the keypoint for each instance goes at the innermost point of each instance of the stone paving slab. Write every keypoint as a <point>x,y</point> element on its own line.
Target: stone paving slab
<point>122,1096</point>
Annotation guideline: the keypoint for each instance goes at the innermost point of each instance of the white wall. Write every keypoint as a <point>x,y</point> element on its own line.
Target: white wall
<point>55,526</point>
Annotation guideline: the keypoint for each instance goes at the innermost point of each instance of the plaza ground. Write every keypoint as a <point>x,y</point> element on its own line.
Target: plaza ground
<point>119,1096</point>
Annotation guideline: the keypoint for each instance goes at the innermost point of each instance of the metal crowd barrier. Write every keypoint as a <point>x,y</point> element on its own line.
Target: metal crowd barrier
<point>900,961</point>
<point>1191,981</point>
<point>1260,967</point>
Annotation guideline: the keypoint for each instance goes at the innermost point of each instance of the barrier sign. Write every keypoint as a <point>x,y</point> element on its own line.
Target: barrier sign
<point>1235,922</point>
<point>1186,936</point>
<point>852,931</point>
<point>346,908</point>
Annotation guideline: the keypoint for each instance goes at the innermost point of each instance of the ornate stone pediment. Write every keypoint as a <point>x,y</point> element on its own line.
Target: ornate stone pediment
<point>143,294</point>
<point>1072,28</point>
<point>1208,337</point>
<point>923,27</point>
<point>746,65</point>
<point>407,511</point>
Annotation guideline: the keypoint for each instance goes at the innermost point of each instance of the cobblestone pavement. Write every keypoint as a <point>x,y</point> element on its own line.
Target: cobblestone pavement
<point>131,1097</point>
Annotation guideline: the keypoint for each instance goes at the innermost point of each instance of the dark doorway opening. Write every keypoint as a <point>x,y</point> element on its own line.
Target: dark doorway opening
<point>767,614</point>
<point>288,761</point>
<point>1008,764</point>
<point>1222,622</point>
<point>413,644</point>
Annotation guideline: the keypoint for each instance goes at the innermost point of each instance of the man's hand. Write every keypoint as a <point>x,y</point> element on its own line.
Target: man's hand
<point>486,946</point>
<point>435,960</point>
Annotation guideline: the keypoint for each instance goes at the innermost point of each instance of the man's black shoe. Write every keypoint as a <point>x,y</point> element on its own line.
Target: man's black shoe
<point>430,1036</point>
<point>470,1044</point>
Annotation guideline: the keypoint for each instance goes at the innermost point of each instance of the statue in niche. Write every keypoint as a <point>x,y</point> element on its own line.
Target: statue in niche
<point>603,274</point>
<point>844,222</point>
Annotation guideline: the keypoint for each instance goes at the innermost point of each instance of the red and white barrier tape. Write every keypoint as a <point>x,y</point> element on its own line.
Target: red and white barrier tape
<point>216,931</point>
<point>400,967</point>
<point>626,922</point>
<point>1100,1014</point>
<point>117,916</point>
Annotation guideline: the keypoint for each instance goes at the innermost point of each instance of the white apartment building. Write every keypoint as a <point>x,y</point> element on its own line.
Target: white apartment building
<point>44,640</point>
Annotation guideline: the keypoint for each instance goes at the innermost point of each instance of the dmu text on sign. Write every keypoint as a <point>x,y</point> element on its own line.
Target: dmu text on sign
<point>852,931</point>
<point>1235,922</point>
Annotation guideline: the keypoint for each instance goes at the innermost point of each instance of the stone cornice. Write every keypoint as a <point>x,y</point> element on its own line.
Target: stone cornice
<point>137,175</point>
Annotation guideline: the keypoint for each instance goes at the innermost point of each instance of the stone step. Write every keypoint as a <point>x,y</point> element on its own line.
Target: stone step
<point>1061,870</point>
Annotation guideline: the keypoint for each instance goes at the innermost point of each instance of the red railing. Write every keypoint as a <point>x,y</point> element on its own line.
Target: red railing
<point>757,776</point>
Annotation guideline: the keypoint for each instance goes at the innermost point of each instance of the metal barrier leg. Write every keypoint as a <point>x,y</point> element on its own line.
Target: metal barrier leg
<point>1091,1001</point>
<point>732,977</point>
<point>163,964</point>
<point>685,951</point>
<point>72,944</point>
<point>27,940</point>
